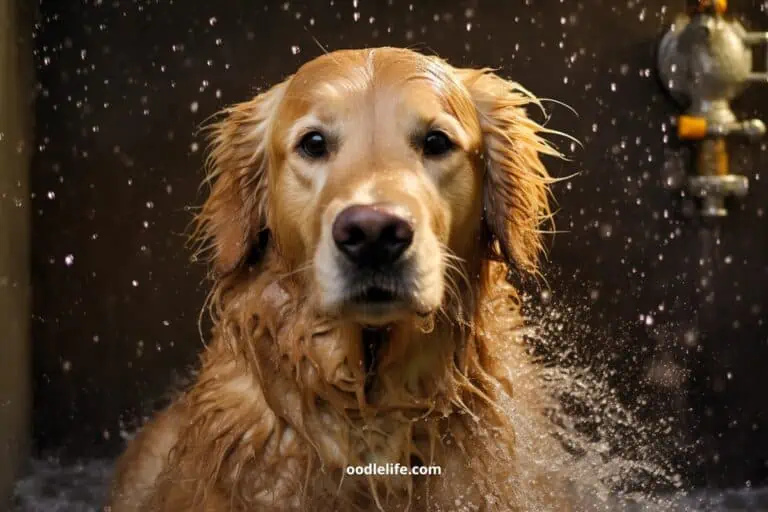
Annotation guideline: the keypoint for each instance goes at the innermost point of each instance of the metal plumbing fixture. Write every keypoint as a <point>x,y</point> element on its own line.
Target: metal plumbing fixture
<point>704,62</point>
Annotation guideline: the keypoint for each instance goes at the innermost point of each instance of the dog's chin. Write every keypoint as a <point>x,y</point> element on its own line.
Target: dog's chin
<point>376,314</point>
<point>378,307</point>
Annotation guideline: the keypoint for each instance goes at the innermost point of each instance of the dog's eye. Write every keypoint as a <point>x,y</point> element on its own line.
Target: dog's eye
<point>436,143</point>
<point>314,145</point>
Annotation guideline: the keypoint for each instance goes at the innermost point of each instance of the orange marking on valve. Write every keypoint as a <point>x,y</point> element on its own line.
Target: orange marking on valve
<point>691,127</point>
<point>719,6</point>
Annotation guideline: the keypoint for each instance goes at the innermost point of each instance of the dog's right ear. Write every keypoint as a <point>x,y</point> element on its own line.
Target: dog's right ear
<point>516,191</point>
<point>234,218</point>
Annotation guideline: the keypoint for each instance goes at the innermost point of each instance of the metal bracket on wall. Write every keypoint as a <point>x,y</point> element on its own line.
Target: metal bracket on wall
<point>704,62</point>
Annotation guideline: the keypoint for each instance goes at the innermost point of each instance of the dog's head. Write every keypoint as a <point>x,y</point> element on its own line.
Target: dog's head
<point>372,173</point>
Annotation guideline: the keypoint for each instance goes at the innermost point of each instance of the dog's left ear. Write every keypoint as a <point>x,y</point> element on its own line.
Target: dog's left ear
<point>516,185</point>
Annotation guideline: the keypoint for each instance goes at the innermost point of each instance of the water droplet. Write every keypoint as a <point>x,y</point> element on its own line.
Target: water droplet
<point>212,21</point>
<point>134,283</point>
<point>295,49</point>
<point>69,259</point>
<point>194,106</point>
<point>51,194</point>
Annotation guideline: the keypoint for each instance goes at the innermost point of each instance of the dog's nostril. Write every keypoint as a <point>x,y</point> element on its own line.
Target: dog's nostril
<point>397,233</point>
<point>370,235</point>
<point>354,235</point>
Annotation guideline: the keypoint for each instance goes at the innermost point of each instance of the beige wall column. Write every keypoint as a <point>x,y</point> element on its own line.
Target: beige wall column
<point>15,144</point>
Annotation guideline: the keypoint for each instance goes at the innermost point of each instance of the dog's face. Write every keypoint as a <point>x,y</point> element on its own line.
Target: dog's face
<point>373,172</point>
<point>376,176</point>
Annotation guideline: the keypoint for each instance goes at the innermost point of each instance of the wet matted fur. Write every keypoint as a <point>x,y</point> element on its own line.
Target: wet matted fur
<point>287,396</point>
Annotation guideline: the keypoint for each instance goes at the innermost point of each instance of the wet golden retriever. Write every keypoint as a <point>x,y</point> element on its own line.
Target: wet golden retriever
<point>361,221</point>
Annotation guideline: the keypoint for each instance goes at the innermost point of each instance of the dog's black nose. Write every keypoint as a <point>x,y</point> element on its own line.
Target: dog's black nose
<point>371,235</point>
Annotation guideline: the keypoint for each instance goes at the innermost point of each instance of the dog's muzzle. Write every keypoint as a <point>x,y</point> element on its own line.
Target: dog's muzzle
<point>373,242</point>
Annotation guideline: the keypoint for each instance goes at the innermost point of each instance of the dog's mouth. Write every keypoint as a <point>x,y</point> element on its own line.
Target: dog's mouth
<point>380,297</point>
<point>378,302</point>
<point>375,295</point>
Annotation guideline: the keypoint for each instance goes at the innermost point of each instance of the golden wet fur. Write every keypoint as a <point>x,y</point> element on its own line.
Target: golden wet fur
<point>280,405</point>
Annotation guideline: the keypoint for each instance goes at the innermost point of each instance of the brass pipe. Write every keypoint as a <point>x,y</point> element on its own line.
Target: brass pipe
<point>712,158</point>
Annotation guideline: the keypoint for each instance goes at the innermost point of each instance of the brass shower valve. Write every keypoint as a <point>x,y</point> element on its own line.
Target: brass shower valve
<point>705,61</point>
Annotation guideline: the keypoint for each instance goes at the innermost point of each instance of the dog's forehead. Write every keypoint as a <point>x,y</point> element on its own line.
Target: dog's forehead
<point>338,81</point>
<point>363,65</point>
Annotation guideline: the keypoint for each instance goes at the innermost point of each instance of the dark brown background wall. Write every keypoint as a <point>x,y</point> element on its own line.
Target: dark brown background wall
<point>124,85</point>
